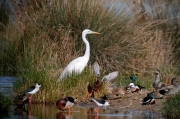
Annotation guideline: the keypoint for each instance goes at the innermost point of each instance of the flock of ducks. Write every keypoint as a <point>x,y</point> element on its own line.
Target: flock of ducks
<point>159,86</point>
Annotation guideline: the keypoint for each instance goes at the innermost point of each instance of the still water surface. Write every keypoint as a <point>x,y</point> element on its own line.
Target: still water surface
<point>39,111</point>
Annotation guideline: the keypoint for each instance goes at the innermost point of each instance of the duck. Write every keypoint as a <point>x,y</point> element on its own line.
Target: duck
<point>100,103</point>
<point>65,103</point>
<point>24,97</point>
<point>120,90</point>
<point>109,77</point>
<point>163,91</point>
<point>96,86</point>
<point>21,99</point>
<point>173,88</point>
<point>135,88</point>
<point>158,83</point>
<point>149,99</point>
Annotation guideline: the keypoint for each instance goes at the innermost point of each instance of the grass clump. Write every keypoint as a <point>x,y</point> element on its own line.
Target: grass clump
<point>170,108</point>
<point>46,36</point>
<point>5,103</point>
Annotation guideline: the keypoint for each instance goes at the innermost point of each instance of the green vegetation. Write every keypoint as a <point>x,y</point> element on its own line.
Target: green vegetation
<point>5,103</point>
<point>170,108</point>
<point>45,37</point>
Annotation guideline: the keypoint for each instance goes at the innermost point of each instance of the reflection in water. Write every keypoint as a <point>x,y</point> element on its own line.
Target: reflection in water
<point>51,112</point>
<point>20,111</point>
<point>62,115</point>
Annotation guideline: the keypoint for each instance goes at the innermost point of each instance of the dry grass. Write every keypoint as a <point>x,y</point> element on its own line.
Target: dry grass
<point>45,37</point>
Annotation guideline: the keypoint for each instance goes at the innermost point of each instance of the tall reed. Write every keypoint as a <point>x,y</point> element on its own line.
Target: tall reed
<point>46,36</point>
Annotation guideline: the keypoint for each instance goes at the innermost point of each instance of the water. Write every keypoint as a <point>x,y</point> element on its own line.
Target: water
<point>39,111</point>
<point>6,85</point>
<point>50,112</point>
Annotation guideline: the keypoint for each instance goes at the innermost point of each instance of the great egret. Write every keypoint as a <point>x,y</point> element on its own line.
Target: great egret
<point>77,65</point>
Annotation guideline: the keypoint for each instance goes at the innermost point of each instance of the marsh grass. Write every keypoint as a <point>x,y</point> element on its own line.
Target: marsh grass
<point>170,109</point>
<point>46,36</point>
<point>5,103</point>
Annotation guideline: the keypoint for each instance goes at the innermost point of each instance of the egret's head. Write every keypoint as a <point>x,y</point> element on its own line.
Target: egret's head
<point>87,31</point>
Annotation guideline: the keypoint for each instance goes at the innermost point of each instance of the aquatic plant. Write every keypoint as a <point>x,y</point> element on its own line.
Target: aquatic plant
<point>5,103</point>
<point>169,109</point>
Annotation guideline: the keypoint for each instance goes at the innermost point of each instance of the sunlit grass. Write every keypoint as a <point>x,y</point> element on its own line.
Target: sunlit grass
<point>45,38</point>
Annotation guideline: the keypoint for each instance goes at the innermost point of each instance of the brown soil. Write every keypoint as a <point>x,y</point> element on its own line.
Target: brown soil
<point>130,102</point>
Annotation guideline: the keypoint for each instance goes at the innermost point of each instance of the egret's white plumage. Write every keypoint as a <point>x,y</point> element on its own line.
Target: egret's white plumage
<point>77,65</point>
<point>110,76</point>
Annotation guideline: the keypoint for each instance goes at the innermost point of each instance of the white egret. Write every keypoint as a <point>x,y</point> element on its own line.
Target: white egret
<point>77,65</point>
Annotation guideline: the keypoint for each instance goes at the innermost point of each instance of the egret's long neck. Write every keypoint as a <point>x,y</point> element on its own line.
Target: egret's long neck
<point>87,52</point>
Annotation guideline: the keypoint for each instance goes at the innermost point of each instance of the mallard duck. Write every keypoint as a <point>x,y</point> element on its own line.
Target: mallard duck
<point>149,99</point>
<point>65,103</point>
<point>163,91</point>
<point>100,102</point>
<point>158,83</point>
<point>109,77</point>
<point>135,88</point>
<point>97,84</point>
<point>21,99</point>
<point>174,87</point>
<point>95,87</point>
<point>111,90</point>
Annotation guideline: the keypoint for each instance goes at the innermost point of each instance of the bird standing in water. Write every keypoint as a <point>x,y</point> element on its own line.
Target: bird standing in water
<point>77,65</point>
<point>65,103</point>
<point>32,90</point>
<point>25,96</point>
<point>100,103</point>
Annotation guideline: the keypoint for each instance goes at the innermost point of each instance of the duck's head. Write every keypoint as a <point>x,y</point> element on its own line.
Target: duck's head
<point>157,72</point>
<point>151,95</point>
<point>133,78</point>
